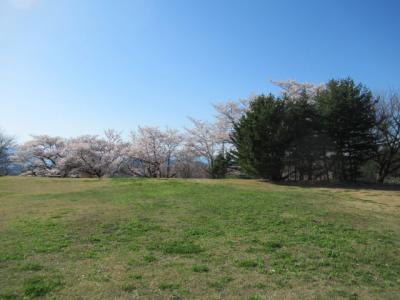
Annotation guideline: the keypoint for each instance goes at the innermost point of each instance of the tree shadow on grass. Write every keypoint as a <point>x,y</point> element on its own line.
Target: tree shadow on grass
<point>337,185</point>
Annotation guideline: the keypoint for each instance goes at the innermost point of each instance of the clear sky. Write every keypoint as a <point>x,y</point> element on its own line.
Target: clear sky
<point>69,67</point>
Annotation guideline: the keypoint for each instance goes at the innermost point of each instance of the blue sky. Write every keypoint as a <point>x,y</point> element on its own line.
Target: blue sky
<point>70,67</point>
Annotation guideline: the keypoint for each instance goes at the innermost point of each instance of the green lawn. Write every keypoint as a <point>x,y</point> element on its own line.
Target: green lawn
<point>195,239</point>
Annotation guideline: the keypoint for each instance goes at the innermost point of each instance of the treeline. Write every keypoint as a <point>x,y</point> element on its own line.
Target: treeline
<point>334,132</point>
<point>150,152</point>
<point>337,131</point>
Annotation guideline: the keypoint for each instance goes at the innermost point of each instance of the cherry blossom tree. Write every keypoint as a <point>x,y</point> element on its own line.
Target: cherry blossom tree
<point>153,151</point>
<point>294,89</point>
<point>228,113</point>
<point>42,156</point>
<point>96,156</point>
<point>172,141</point>
<point>187,164</point>
<point>205,141</point>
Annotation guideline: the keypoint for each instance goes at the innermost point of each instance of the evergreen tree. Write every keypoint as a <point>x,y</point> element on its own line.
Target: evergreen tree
<point>220,165</point>
<point>262,136</point>
<point>348,118</point>
<point>305,152</point>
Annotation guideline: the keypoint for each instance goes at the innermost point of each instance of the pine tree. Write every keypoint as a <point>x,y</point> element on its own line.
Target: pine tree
<point>348,118</point>
<point>262,136</point>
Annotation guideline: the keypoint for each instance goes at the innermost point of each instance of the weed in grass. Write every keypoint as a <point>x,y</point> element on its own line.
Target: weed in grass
<point>94,238</point>
<point>90,254</point>
<point>133,247</point>
<point>4,256</point>
<point>98,276</point>
<point>149,258</point>
<point>9,296</point>
<point>196,232</point>
<point>248,263</point>
<point>135,276</point>
<point>128,287</point>
<point>200,268</point>
<point>133,262</point>
<point>31,266</point>
<point>134,228</point>
<point>335,293</point>
<point>168,286</point>
<point>272,246</point>
<point>153,246</point>
<point>41,285</point>
<point>209,231</point>
<point>260,285</point>
<point>333,253</point>
<point>181,247</point>
<point>221,283</point>
<point>252,249</point>
<point>109,228</point>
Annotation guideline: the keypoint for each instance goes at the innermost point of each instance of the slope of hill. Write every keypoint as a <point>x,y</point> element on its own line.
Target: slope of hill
<point>195,239</point>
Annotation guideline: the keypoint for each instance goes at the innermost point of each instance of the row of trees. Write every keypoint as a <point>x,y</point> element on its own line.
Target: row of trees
<point>150,152</point>
<point>335,131</point>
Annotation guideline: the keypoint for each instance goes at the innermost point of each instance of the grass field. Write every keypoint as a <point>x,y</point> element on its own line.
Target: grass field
<point>196,239</point>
